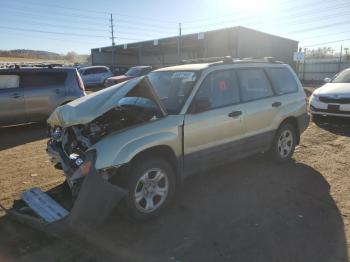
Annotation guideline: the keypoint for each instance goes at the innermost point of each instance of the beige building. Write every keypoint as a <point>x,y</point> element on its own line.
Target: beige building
<point>238,42</point>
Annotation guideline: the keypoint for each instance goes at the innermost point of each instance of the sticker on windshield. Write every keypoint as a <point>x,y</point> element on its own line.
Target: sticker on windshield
<point>184,75</point>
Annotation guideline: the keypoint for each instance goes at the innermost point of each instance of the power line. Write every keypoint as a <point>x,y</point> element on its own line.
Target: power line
<point>293,8</point>
<point>121,21</point>
<point>54,39</point>
<point>51,32</point>
<point>319,27</point>
<point>331,42</point>
<point>313,37</point>
<point>59,26</point>
<point>292,15</point>
<point>97,11</point>
<point>90,16</point>
<point>71,18</point>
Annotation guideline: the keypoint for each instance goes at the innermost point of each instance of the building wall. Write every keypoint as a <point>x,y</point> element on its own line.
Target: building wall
<point>252,43</point>
<point>237,42</point>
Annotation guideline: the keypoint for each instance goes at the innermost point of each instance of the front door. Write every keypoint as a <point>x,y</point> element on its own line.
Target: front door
<point>215,135</point>
<point>12,109</point>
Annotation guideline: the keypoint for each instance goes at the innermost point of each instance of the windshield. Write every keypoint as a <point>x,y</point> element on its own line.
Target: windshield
<point>134,71</point>
<point>342,77</point>
<point>173,87</point>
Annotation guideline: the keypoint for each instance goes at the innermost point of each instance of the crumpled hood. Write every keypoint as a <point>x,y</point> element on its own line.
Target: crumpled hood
<point>329,89</point>
<point>88,108</point>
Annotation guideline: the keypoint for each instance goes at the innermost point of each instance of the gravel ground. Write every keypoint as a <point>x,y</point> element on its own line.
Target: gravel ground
<point>251,210</point>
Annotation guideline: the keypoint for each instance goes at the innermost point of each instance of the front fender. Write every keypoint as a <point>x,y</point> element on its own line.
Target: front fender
<point>121,148</point>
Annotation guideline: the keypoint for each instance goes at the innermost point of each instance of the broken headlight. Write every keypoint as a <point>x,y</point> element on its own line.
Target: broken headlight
<point>56,133</point>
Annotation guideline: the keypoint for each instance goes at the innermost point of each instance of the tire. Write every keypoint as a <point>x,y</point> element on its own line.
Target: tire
<point>283,145</point>
<point>145,191</point>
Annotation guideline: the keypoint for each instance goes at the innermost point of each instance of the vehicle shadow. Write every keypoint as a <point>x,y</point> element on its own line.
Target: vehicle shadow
<point>251,210</point>
<point>18,135</point>
<point>338,125</point>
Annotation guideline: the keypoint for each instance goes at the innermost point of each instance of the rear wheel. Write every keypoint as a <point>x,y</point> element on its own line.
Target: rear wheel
<point>284,143</point>
<point>151,187</point>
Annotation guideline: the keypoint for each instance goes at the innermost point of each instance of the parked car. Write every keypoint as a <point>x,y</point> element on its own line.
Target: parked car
<point>133,72</point>
<point>95,75</point>
<point>333,98</point>
<point>31,94</point>
<point>149,133</point>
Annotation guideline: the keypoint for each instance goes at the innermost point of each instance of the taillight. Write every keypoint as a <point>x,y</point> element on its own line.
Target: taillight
<point>80,82</point>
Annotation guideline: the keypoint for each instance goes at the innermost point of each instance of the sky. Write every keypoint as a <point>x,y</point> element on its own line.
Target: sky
<point>66,25</point>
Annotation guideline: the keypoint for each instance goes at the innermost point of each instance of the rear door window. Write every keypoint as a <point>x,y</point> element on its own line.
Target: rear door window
<point>9,81</point>
<point>282,80</point>
<point>42,79</point>
<point>254,84</point>
<point>221,88</point>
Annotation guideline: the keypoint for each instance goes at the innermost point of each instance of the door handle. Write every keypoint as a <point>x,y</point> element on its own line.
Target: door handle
<point>57,91</point>
<point>234,114</point>
<point>276,104</point>
<point>16,95</point>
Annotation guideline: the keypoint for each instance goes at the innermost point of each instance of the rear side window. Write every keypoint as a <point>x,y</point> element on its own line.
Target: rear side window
<point>254,84</point>
<point>9,81</point>
<point>42,79</point>
<point>282,80</point>
<point>221,88</point>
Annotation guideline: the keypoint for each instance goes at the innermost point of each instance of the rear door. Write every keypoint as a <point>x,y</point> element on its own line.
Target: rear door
<point>216,135</point>
<point>261,108</point>
<point>43,92</point>
<point>12,109</point>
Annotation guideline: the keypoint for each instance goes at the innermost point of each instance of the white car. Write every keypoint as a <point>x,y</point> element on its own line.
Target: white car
<point>333,98</point>
<point>95,75</point>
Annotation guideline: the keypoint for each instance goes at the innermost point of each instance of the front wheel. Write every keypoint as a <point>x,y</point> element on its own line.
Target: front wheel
<point>284,143</point>
<point>151,186</point>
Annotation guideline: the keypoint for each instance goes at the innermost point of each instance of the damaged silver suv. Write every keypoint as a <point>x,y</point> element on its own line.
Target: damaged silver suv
<point>149,133</point>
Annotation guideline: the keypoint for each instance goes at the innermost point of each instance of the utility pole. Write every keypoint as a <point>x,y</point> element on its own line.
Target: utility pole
<point>113,43</point>
<point>346,52</point>
<point>341,54</point>
<point>304,64</point>
<point>179,47</point>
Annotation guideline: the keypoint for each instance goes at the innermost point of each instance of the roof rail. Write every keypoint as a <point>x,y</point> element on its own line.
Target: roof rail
<point>24,65</point>
<point>229,60</point>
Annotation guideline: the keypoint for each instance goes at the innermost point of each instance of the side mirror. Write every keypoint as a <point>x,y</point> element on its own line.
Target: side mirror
<point>199,105</point>
<point>327,80</point>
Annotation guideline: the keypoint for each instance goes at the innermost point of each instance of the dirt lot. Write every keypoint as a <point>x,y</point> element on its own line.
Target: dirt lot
<point>251,210</point>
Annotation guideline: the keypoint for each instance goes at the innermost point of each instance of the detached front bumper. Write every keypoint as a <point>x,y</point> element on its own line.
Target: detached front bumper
<point>69,165</point>
<point>94,202</point>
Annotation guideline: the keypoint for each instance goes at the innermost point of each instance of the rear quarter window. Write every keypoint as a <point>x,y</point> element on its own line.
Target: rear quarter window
<point>282,80</point>
<point>42,79</point>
